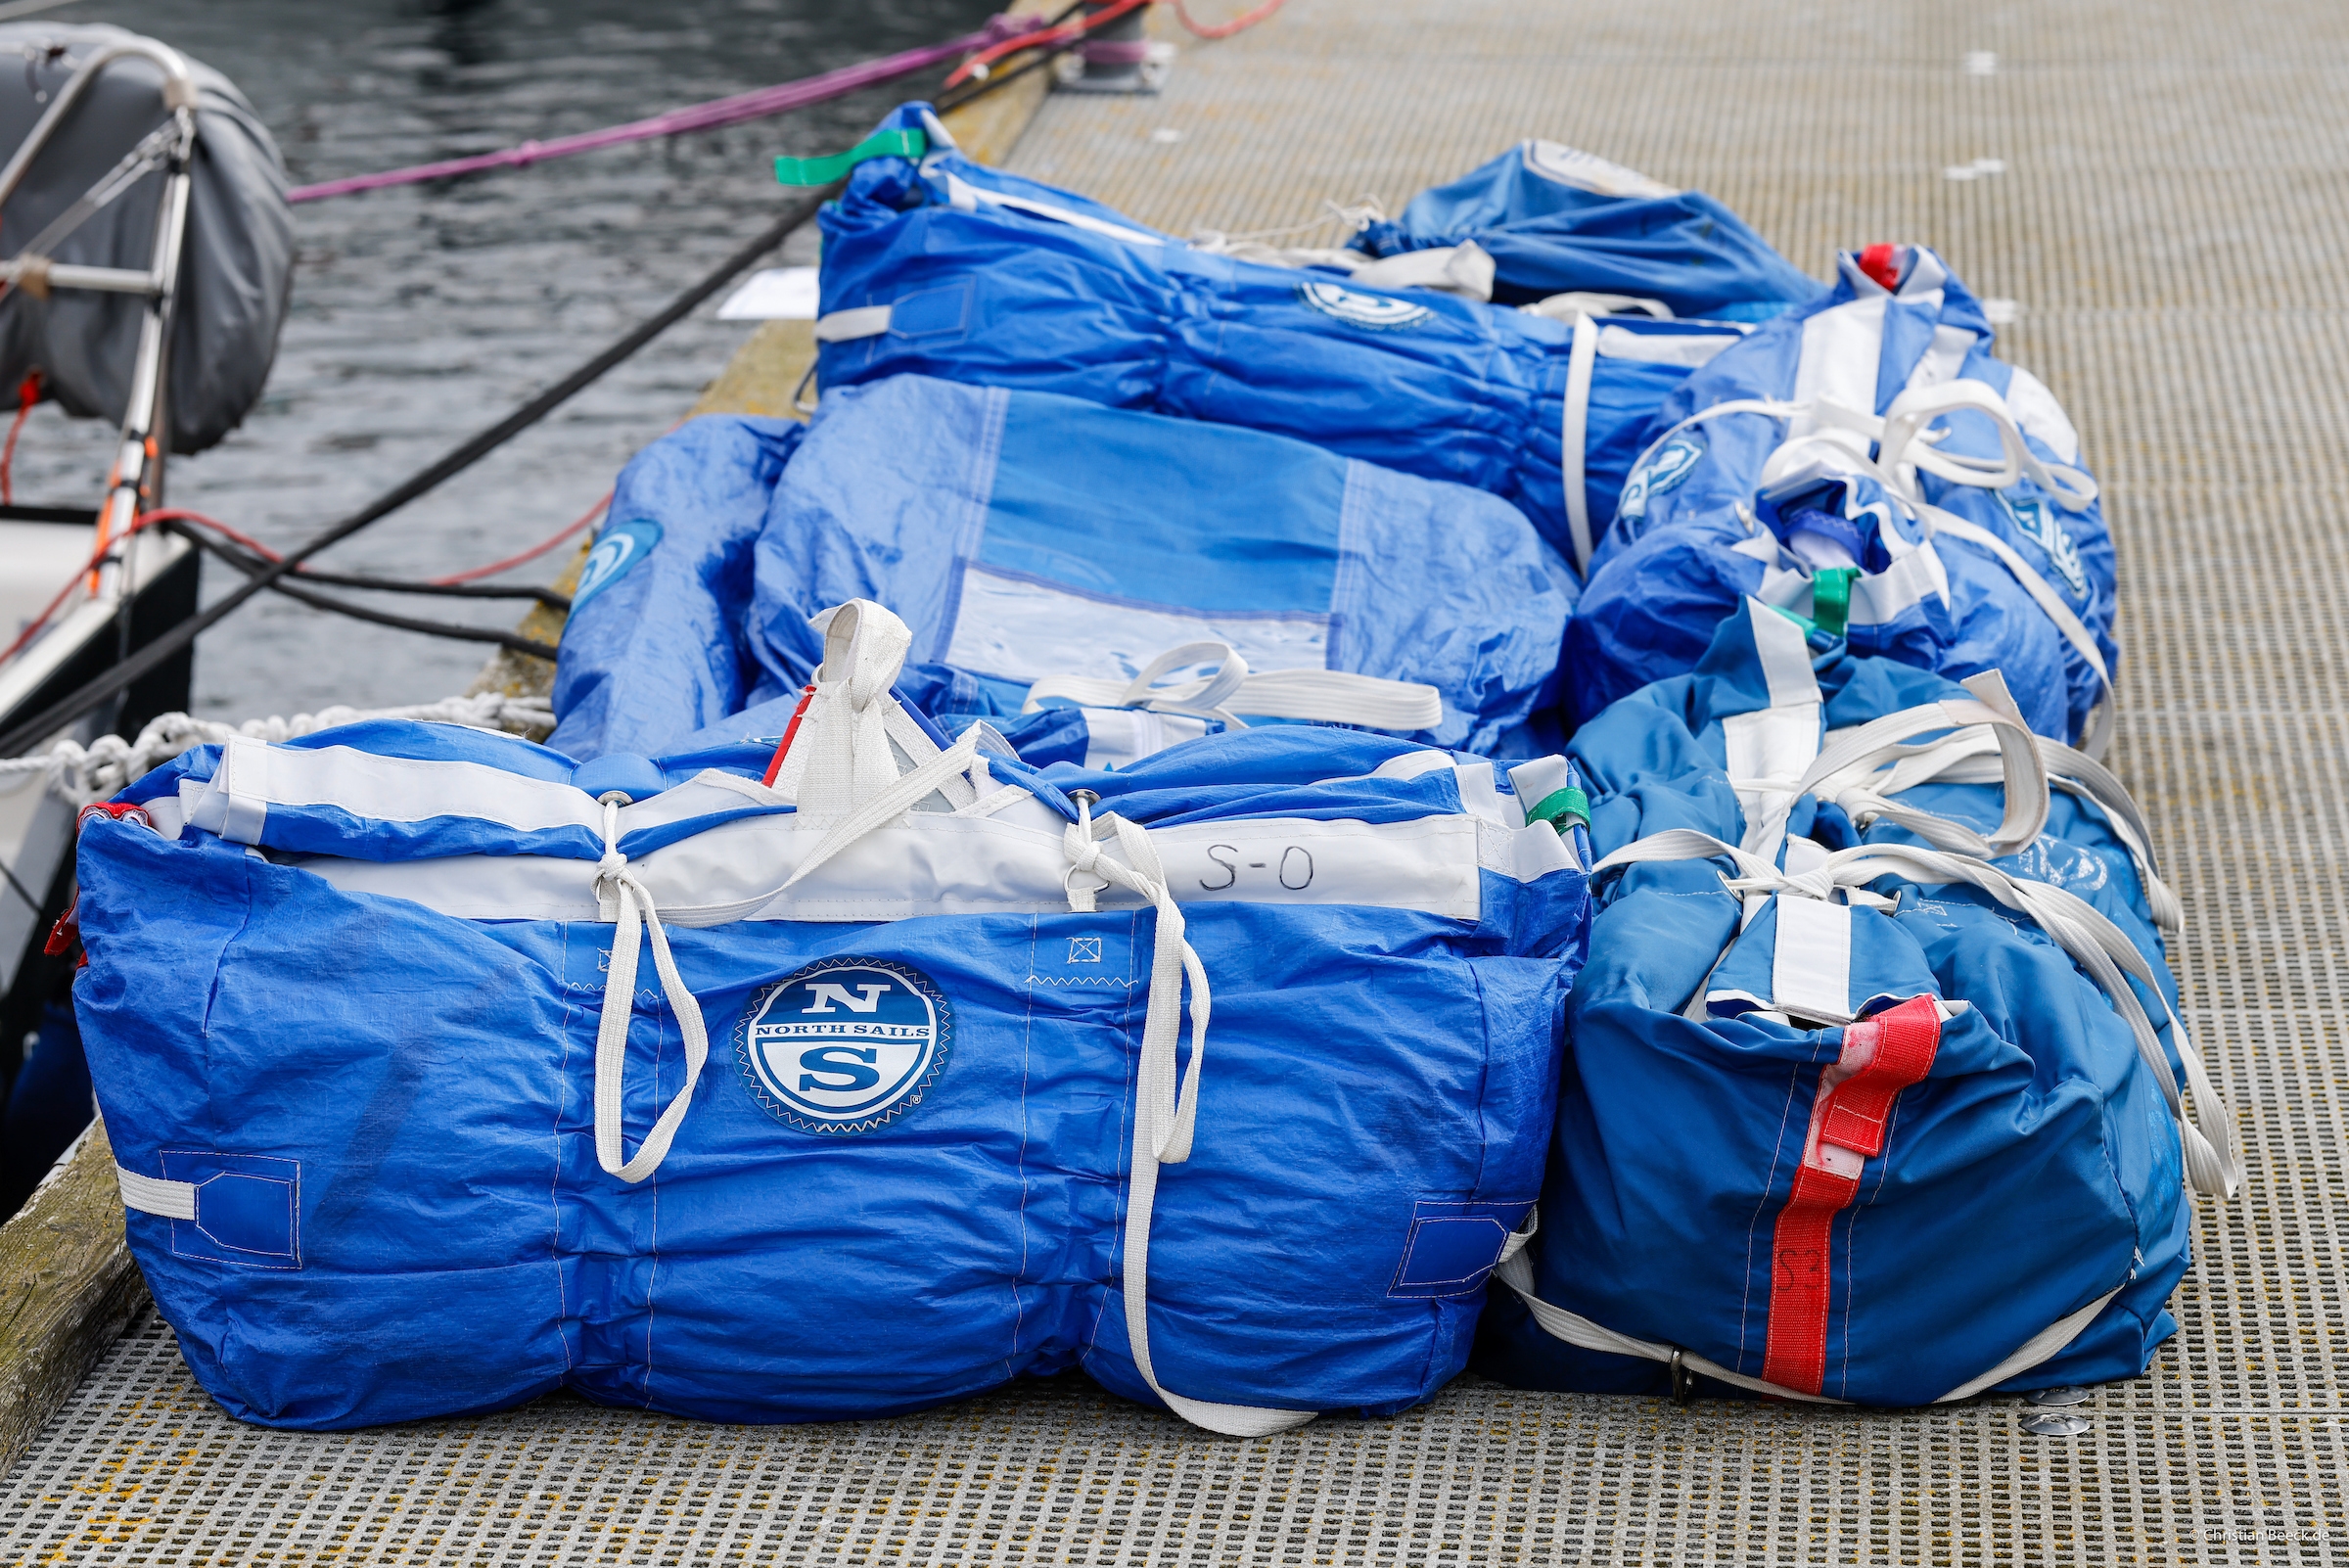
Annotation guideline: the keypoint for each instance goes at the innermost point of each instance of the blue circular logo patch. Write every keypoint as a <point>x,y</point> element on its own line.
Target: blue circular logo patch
<point>619,549</point>
<point>845,1046</point>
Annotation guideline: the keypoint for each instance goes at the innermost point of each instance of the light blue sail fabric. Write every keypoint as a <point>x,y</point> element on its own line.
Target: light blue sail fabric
<point>2027,1174</point>
<point>1759,500</point>
<point>944,268</point>
<point>343,1009</point>
<point>1556,219</point>
<point>1024,535</point>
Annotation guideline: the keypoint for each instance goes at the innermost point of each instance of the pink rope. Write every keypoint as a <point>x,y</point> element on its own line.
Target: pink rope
<point>755,105</point>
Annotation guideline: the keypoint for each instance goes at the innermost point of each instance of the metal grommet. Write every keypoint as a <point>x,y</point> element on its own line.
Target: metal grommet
<point>2055,1423</point>
<point>1684,1381</point>
<point>1087,796</point>
<point>2056,1396</point>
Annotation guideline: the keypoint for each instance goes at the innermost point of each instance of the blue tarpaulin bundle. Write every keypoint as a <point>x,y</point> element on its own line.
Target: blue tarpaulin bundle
<point>1865,461</point>
<point>1027,536</point>
<point>944,268</point>
<point>1556,220</point>
<point>1876,1091</point>
<point>900,1105</point>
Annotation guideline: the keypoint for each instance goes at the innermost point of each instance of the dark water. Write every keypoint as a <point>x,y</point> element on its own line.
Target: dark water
<point>424,314</point>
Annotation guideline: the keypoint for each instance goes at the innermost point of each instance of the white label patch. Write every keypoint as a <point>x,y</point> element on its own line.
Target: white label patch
<point>1014,628</point>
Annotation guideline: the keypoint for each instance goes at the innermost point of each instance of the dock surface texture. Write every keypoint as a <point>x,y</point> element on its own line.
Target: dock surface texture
<point>2170,221</point>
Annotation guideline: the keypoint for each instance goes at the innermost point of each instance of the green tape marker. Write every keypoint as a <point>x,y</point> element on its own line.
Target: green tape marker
<point>824,170</point>
<point>1831,598</point>
<point>1560,808</point>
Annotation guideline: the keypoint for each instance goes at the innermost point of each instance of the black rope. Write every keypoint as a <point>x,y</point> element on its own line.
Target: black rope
<point>431,629</point>
<point>447,590</point>
<point>253,565</point>
<point>102,689</point>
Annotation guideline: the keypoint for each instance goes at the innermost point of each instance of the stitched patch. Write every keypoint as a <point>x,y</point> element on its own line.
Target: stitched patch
<point>845,1046</point>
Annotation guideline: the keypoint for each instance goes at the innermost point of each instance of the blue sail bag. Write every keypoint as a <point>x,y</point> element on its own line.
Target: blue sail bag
<point>942,267</point>
<point>442,1071</point>
<point>1865,461</point>
<point>1028,537</point>
<point>1877,1090</point>
<point>1558,220</point>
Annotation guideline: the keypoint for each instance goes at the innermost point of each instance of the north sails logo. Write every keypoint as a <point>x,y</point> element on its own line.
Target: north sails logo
<point>1665,468</point>
<point>2036,521</point>
<point>845,1046</point>
<point>1376,311</point>
<point>620,547</point>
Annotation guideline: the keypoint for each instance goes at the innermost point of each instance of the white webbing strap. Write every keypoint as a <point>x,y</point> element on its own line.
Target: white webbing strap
<point>1323,696</point>
<point>2043,593</point>
<point>1971,757</point>
<point>2098,947</point>
<point>859,321</point>
<point>1582,360</point>
<point>841,752</point>
<point>1167,1107</point>
<point>173,1200</point>
<point>613,878</point>
<point>1858,769</point>
<point>1517,1273</point>
<point>1905,445</point>
<point>893,801</point>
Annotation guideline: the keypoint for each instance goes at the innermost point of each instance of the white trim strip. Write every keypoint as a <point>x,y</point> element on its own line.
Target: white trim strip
<point>1810,968</point>
<point>254,775</point>
<point>1574,431</point>
<point>963,194</point>
<point>1785,657</point>
<point>931,863</point>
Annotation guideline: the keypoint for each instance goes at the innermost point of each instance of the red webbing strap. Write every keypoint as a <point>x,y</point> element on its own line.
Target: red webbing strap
<point>1882,1057</point>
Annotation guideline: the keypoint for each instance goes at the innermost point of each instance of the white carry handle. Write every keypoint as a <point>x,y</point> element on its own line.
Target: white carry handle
<point>1964,758</point>
<point>2213,1153</point>
<point>1848,772</point>
<point>1167,1105</point>
<point>620,993</point>
<point>1906,446</point>
<point>843,769</point>
<point>1320,696</point>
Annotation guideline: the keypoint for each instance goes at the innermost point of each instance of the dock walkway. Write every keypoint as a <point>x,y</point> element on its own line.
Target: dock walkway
<point>2170,224</point>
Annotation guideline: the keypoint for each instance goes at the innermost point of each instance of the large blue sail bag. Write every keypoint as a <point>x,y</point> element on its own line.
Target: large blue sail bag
<point>442,1071</point>
<point>1867,461</point>
<point>1876,1089</point>
<point>940,266</point>
<point>1047,550</point>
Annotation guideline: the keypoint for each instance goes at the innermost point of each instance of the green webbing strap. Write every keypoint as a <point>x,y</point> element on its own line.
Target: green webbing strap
<point>824,170</point>
<point>1559,807</point>
<point>1831,598</point>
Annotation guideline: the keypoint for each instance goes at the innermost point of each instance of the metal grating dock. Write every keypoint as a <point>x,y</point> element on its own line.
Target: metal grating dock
<point>2171,223</point>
